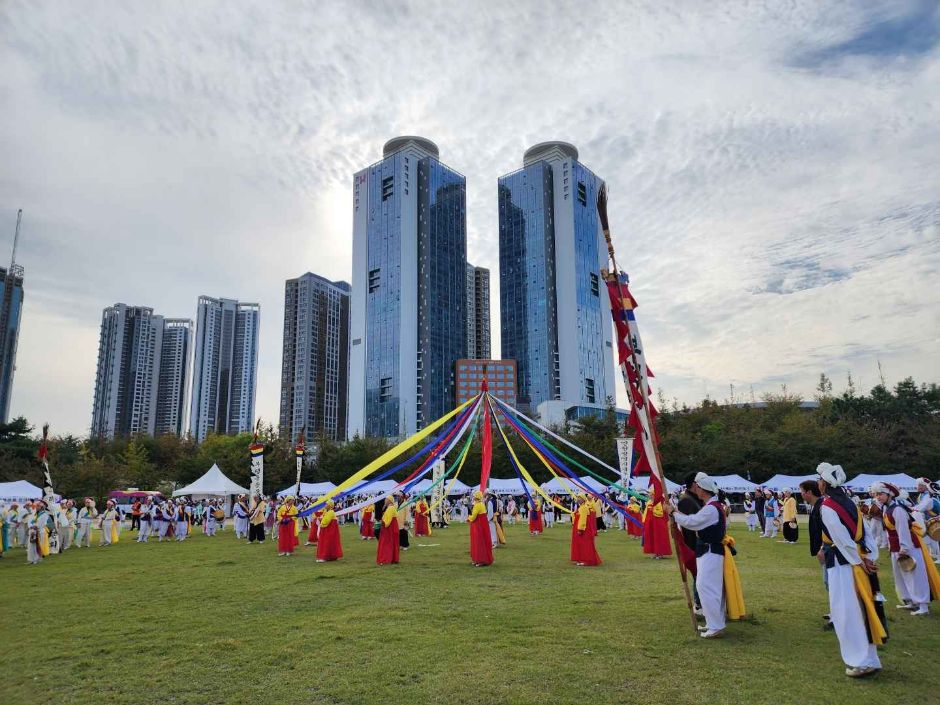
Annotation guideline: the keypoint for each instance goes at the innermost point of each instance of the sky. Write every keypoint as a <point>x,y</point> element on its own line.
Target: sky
<point>772,167</point>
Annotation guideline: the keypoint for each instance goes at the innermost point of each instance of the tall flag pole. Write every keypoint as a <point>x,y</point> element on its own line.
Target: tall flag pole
<point>299,451</point>
<point>48,495</point>
<point>256,450</point>
<point>636,376</point>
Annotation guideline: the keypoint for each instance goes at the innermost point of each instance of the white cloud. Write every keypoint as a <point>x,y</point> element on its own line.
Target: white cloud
<point>773,176</point>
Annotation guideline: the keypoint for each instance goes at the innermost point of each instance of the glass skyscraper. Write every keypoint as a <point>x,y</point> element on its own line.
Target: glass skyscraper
<point>554,315</point>
<point>225,367</point>
<point>408,310</point>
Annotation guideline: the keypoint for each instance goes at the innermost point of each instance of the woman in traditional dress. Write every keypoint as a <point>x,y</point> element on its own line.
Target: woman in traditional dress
<point>314,535</point>
<point>106,523</point>
<point>791,531</point>
<point>535,517</point>
<point>287,527</point>
<point>481,543</point>
<point>635,527</point>
<point>422,518</point>
<point>750,512</point>
<point>329,546</point>
<point>388,550</point>
<point>367,525</point>
<point>37,532</point>
<point>656,529</point>
<point>575,520</point>
<point>586,531</point>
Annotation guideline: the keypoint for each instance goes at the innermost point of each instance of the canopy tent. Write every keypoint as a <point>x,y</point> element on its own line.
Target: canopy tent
<point>861,483</point>
<point>377,487</point>
<point>424,487</point>
<point>787,482</point>
<point>641,483</point>
<point>558,486</point>
<point>20,491</point>
<point>497,485</point>
<point>308,489</point>
<point>734,483</point>
<point>213,485</point>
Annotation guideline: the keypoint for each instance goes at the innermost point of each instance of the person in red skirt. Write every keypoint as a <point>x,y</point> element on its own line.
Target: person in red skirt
<point>366,526</point>
<point>314,533</point>
<point>656,530</point>
<point>481,544</point>
<point>329,546</point>
<point>586,531</point>
<point>388,549</point>
<point>422,518</point>
<point>635,527</point>
<point>535,517</point>
<point>575,519</point>
<point>287,528</point>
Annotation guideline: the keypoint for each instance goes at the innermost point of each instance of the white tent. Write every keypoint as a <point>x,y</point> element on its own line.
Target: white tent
<point>423,486</point>
<point>558,486</point>
<point>787,482</point>
<point>641,483</point>
<point>733,483</point>
<point>498,485</point>
<point>861,483</point>
<point>374,488</point>
<point>308,489</point>
<point>19,491</point>
<point>459,488</point>
<point>213,485</point>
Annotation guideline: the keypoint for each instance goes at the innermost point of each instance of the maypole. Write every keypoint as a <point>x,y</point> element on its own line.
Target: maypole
<point>636,380</point>
<point>48,495</point>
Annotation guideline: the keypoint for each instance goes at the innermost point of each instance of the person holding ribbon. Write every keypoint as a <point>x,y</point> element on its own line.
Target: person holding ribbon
<point>535,517</point>
<point>287,527</point>
<point>852,608</point>
<point>584,529</point>
<point>481,545</point>
<point>366,524</point>
<point>329,546</point>
<point>388,550</point>
<point>656,529</point>
<point>422,518</point>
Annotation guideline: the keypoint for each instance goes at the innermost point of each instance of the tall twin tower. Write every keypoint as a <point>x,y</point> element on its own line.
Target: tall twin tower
<point>409,308</point>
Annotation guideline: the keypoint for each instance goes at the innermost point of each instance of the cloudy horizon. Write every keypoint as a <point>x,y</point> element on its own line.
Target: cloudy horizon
<point>772,168</point>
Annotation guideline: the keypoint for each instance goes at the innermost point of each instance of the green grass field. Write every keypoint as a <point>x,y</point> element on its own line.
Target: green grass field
<point>219,621</point>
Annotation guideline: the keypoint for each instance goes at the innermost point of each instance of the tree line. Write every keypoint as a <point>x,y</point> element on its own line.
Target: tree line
<point>885,431</point>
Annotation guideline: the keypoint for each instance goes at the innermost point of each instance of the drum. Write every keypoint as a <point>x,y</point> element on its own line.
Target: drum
<point>933,528</point>
<point>906,563</point>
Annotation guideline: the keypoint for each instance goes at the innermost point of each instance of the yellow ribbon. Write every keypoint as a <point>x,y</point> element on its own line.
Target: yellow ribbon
<point>394,452</point>
<point>734,593</point>
<point>867,598</point>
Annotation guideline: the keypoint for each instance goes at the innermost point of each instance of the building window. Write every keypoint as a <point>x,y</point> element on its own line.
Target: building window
<point>385,389</point>
<point>582,194</point>
<point>594,285</point>
<point>375,277</point>
<point>388,187</point>
<point>589,388</point>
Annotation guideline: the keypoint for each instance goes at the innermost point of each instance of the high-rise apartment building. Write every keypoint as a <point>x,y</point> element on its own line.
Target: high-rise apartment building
<point>315,364</point>
<point>408,321</point>
<point>478,312</point>
<point>142,373</point>
<point>173,389</point>
<point>11,310</point>
<point>554,314</point>
<point>225,368</point>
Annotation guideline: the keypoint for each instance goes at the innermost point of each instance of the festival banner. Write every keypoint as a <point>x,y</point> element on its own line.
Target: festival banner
<point>48,495</point>
<point>437,494</point>
<point>256,450</point>
<point>625,458</point>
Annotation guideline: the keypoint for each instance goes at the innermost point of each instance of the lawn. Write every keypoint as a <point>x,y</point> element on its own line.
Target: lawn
<point>214,620</point>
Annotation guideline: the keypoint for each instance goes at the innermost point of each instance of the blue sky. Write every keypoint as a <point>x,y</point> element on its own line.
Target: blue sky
<point>772,167</point>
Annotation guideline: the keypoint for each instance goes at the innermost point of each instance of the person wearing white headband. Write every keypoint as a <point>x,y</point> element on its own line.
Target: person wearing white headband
<point>926,507</point>
<point>709,522</point>
<point>843,531</point>
<point>908,560</point>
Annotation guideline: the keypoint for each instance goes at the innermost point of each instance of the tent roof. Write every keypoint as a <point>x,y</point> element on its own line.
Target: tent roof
<point>498,485</point>
<point>734,483</point>
<point>308,489</point>
<point>861,483</point>
<point>559,486</point>
<point>786,482</point>
<point>377,487</point>
<point>214,482</point>
<point>642,482</point>
<point>20,489</point>
<point>458,488</point>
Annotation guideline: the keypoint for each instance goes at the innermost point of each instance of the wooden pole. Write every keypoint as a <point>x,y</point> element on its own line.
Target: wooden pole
<point>644,392</point>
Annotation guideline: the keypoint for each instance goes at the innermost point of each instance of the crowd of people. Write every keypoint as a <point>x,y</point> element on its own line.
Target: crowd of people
<point>847,531</point>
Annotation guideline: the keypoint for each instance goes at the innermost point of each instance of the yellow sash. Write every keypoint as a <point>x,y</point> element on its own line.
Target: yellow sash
<point>863,588</point>
<point>933,577</point>
<point>734,594</point>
